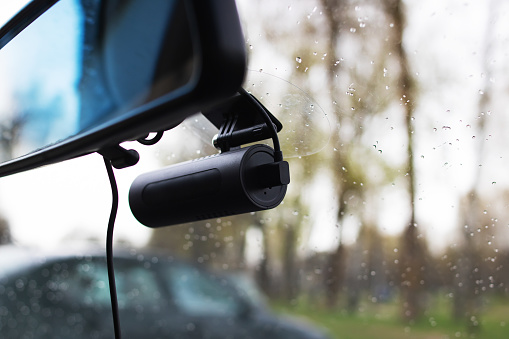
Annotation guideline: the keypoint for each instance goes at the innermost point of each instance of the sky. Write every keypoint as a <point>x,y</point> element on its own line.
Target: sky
<point>9,8</point>
<point>69,200</point>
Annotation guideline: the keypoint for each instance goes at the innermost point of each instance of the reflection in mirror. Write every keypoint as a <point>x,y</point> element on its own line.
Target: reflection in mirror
<point>85,64</point>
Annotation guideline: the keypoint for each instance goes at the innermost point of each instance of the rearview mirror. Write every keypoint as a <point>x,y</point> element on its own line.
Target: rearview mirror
<point>80,76</point>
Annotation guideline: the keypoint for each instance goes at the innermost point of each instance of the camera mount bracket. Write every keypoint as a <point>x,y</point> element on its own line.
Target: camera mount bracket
<point>239,122</point>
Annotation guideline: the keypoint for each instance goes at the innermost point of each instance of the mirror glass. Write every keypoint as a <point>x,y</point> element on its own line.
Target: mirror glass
<point>85,64</point>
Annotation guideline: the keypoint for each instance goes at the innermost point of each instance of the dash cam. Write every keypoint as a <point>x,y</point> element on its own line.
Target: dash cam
<point>239,181</point>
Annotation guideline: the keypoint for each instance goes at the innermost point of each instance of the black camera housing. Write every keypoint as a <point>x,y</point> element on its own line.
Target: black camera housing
<point>238,181</point>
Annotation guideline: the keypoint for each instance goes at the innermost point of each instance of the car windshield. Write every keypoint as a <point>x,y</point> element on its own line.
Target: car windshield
<point>395,223</point>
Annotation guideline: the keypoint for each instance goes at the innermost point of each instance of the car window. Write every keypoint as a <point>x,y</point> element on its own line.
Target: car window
<point>200,294</point>
<point>85,283</point>
<point>138,287</point>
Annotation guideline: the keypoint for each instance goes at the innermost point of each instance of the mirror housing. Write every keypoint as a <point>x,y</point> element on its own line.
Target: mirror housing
<point>218,71</point>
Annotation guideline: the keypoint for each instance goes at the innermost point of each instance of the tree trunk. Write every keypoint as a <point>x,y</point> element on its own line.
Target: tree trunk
<point>413,250</point>
<point>263,274</point>
<point>334,276</point>
<point>290,265</point>
<point>5,234</point>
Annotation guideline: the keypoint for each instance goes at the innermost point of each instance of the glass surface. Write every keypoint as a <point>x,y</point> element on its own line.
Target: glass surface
<point>306,127</point>
<point>78,67</point>
<point>397,228</point>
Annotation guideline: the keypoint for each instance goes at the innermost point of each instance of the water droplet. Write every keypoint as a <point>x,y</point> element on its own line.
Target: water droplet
<point>298,59</point>
<point>353,29</point>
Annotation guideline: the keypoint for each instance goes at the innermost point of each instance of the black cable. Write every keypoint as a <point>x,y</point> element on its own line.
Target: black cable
<point>148,142</point>
<point>109,248</point>
<point>278,155</point>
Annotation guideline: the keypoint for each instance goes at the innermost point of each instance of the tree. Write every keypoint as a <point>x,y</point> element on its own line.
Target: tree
<point>466,301</point>
<point>364,81</point>
<point>413,246</point>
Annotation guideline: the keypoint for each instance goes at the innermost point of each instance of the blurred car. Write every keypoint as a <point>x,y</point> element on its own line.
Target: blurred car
<point>67,296</point>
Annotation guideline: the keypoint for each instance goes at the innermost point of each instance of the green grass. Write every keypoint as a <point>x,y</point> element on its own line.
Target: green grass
<point>382,321</point>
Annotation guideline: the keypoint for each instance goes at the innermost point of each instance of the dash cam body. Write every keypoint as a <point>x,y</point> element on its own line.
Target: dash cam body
<point>238,181</point>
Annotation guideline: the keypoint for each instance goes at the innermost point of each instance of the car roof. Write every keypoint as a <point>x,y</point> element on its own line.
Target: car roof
<point>15,258</point>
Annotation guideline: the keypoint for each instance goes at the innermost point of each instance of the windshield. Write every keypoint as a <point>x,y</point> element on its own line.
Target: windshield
<point>396,221</point>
